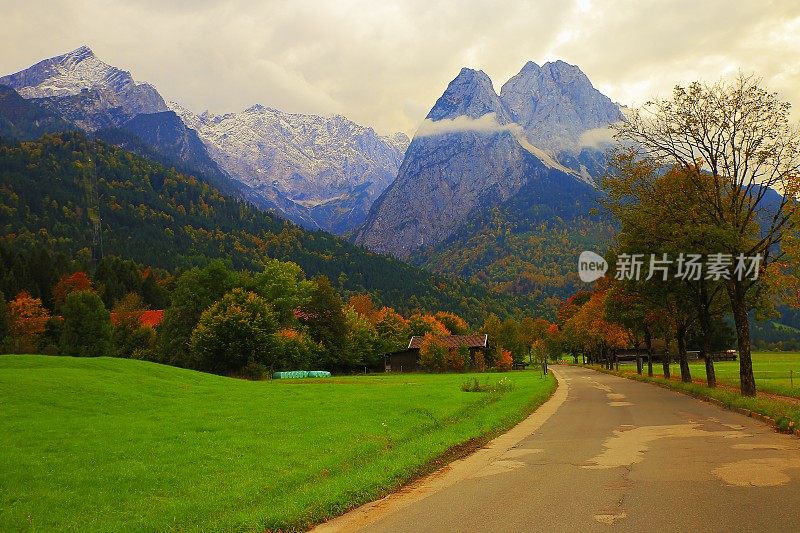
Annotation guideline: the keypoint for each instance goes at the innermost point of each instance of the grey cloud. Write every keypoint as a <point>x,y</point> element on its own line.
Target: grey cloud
<point>384,64</point>
<point>597,138</point>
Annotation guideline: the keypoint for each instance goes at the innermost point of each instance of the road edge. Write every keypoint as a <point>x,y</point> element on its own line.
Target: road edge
<point>452,473</point>
<point>749,413</point>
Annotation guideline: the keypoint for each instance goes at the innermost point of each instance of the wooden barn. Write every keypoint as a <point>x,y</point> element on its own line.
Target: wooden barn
<point>408,360</point>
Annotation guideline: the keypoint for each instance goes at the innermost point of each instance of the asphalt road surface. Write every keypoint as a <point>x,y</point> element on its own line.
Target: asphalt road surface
<point>608,454</point>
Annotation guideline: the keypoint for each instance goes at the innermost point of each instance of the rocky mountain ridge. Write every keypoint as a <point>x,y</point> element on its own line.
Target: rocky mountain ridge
<point>330,166</point>
<point>476,149</point>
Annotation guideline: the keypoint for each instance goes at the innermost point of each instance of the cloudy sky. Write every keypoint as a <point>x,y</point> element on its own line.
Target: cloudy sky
<point>384,63</point>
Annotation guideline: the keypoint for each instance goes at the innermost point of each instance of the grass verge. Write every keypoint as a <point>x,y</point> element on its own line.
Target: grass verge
<point>775,372</point>
<point>783,415</point>
<point>112,444</point>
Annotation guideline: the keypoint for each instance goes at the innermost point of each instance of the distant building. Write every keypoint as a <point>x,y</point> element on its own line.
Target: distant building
<point>408,360</point>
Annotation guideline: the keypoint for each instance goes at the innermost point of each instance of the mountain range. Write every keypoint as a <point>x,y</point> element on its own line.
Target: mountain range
<point>497,189</point>
<point>319,172</point>
<point>478,149</point>
<point>523,160</point>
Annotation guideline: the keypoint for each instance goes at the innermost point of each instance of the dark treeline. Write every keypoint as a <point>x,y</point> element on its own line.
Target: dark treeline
<point>245,323</point>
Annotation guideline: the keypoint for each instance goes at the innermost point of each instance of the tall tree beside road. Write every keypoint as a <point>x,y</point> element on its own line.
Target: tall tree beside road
<point>740,135</point>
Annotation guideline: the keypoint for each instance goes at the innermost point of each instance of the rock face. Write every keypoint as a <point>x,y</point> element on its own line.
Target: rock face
<point>329,166</point>
<point>167,132</point>
<point>23,120</point>
<point>556,104</point>
<point>477,149</point>
<point>447,173</point>
<point>320,172</point>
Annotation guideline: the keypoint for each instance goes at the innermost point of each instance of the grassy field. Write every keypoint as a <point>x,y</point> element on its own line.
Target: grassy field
<point>771,369</point>
<point>112,444</point>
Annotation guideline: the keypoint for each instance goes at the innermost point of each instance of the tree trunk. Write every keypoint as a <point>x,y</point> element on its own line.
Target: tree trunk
<point>648,341</point>
<point>665,361</point>
<point>711,376</point>
<point>705,326</point>
<point>737,294</point>
<point>686,375</point>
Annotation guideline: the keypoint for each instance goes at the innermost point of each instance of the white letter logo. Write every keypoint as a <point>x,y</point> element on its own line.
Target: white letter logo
<point>591,267</point>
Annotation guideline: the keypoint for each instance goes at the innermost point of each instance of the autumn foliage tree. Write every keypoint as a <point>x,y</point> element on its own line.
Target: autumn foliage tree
<point>740,136</point>
<point>423,324</point>
<point>454,323</point>
<point>27,318</point>
<point>661,214</point>
<point>433,354</point>
<point>504,361</point>
<point>364,306</point>
<point>593,332</point>
<point>79,281</point>
<point>131,338</point>
<point>458,359</point>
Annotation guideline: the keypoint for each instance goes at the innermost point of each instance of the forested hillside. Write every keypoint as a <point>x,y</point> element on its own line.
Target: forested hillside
<point>528,246</point>
<point>65,197</point>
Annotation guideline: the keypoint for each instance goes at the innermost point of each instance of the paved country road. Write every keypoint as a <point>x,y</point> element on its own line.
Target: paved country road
<point>608,454</point>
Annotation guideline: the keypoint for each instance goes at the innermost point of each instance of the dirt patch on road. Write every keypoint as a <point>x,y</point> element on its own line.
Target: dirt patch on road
<point>759,447</point>
<point>498,467</point>
<point>627,447</point>
<point>759,472</point>
<point>610,518</point>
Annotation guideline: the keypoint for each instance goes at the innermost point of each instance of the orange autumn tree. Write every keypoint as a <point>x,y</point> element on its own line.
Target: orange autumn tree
<point>78,281</point>
<point>504,361</point>
<point>454,323</point>
<point>593,332</point>
<point>433,354</point>
<point>458,359</point>
<point>422,324</point>
<point>27,320</point>
<point>363,305</point>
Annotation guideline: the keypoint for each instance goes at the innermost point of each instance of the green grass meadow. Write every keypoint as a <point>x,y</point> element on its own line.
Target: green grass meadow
<point>122,445</point>
<point>771,370</point>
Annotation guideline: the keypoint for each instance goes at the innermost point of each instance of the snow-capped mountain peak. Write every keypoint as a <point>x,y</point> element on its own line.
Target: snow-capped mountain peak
<point>329,165</point>
<point>85,90</point>
<point>318,171</point>
<point>68,74</point>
